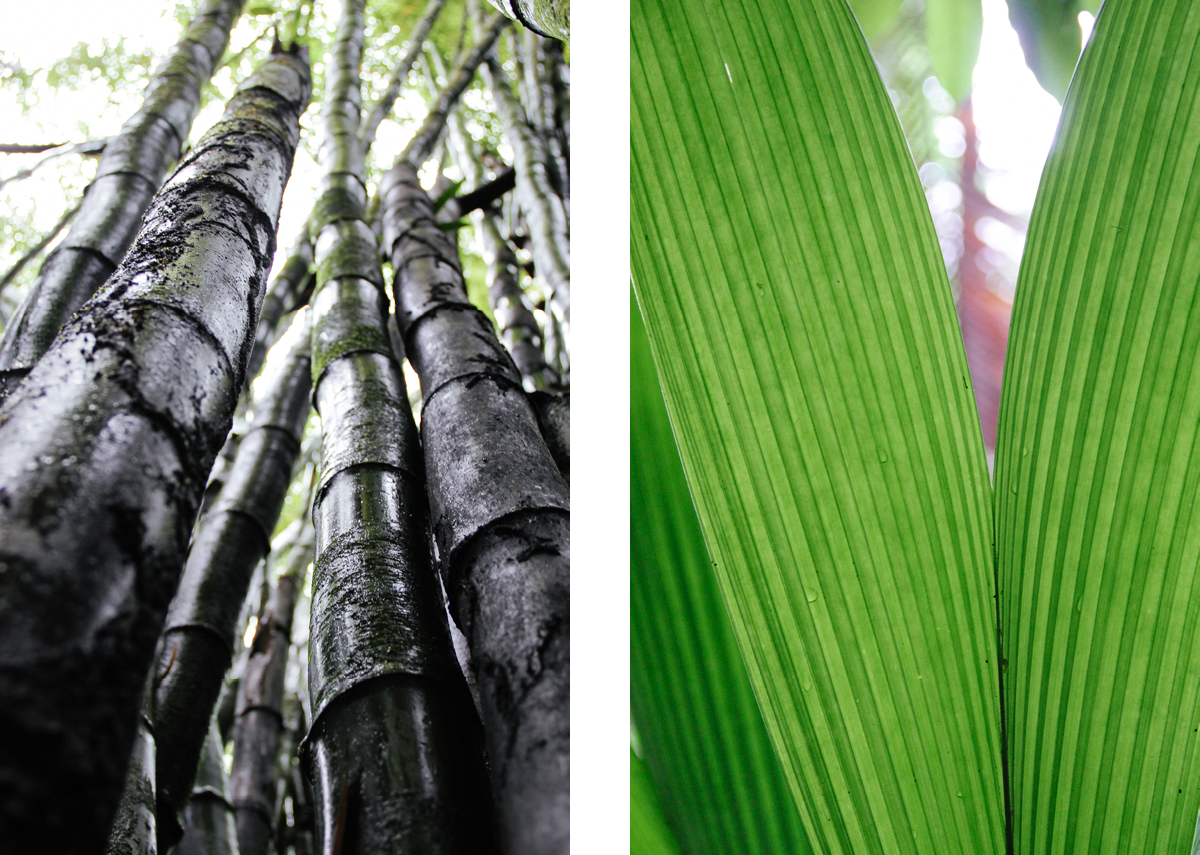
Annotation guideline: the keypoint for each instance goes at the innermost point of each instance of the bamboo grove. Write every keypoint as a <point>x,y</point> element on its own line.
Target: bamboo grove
<point>284,559</point>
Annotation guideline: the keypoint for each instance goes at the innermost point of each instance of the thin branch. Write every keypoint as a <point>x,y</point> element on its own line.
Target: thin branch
<point>91,148</point>
<point>41,245</point>
<point>17,148</point>
<point>482,196</point>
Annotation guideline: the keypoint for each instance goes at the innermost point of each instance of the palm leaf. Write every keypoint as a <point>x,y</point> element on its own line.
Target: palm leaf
<point>1097,525</point>
<point>810,358</point>
<point>701,732</point>
<point>648,830</point>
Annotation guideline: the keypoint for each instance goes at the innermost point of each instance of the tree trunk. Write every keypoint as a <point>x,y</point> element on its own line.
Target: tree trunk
<point>130,170</point>
<point>234,536</point>
<point>500,515</point>
<point>123,416</point>
<point>393,754</point>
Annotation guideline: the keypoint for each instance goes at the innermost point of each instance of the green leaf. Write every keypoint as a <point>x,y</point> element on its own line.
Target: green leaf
<point>953,29</point>
<point>701,732</point>
<point>446,195</point>
<point>648,830</point>
<point>1097,524</point>
<point>799,312</point>
<point>874,15</point>
<point>1050,38</point>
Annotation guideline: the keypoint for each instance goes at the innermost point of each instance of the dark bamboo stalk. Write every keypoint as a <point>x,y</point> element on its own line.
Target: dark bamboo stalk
<point>201,629</point>
<point>19,148</point>
<point>394,753</point>
<point>554,417</point>
<point>519,328</point>
<point>541,60</point>
<point>130,170</point>
<point>133,827</point>
<point>259,723</point>
<point>486,193</point>
<point>500,515</point>
<point>549,229</point>
<point>300,833</point>
<point>425,139</point>
<point>208,826</point>
<point>545,17</point>
<point>106,447</point>
<point>387,100</point>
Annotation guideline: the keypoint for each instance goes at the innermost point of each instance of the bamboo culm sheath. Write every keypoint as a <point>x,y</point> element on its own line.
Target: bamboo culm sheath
<point>131,169</point>
<point>501,519</point>
<point>124,416</point>
<point>232,538</point>
<point>382,670</point>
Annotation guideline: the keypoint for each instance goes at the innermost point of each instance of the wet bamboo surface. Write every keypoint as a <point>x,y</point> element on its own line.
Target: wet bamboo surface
<point>500,512</point>
<point>124,415</point>
<point>394,753</point>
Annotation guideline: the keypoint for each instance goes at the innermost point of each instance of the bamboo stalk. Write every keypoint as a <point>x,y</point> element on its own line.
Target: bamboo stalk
<point>130,170</point>
<point>519,328</point>
<point>124,416</point>
<point>394,752</point>
<point>425,139</point>
<point>545,213</point>
<point>133,828</point>
<point>234,536</point>
<point>257,730</point>
<point>208,827</point>
<point>545,17</point>
<point>387,99</point>
<point>500,515</point>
